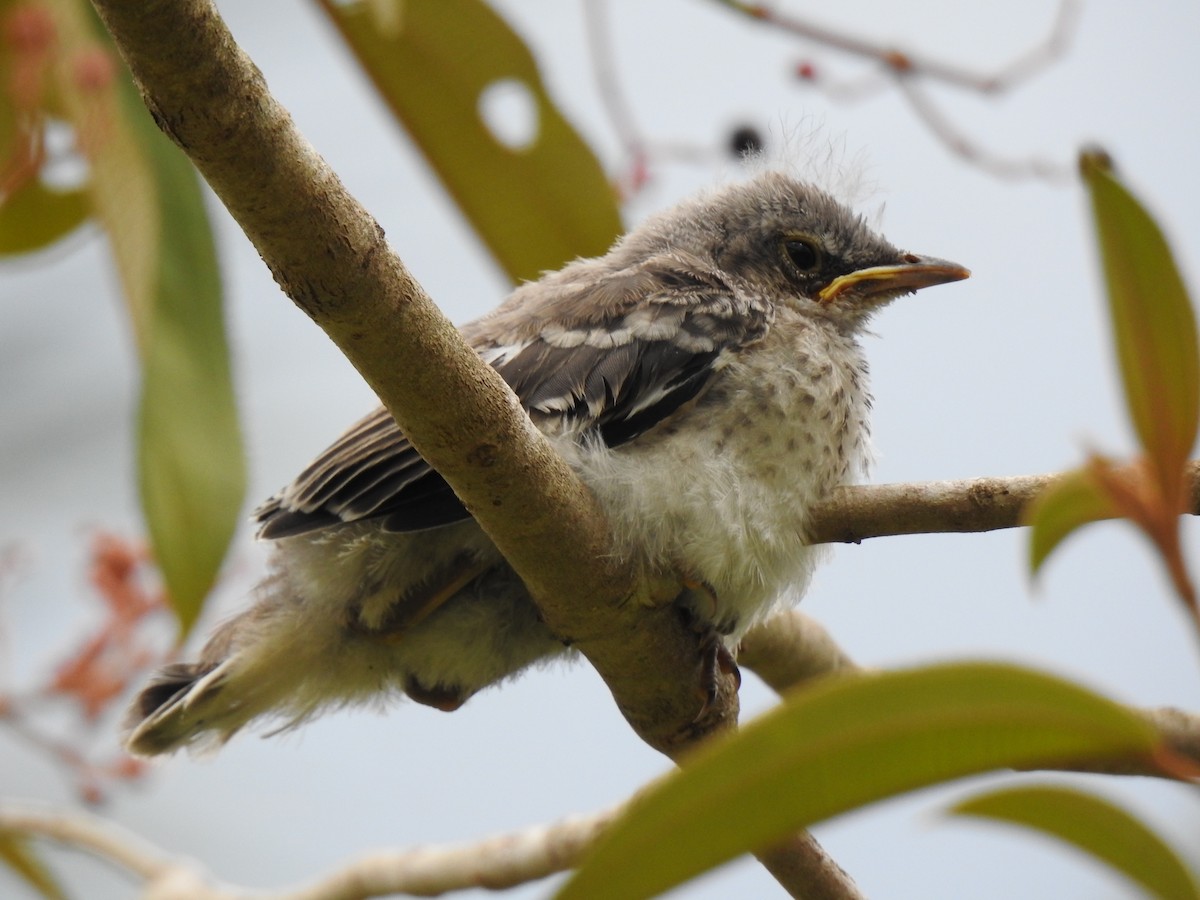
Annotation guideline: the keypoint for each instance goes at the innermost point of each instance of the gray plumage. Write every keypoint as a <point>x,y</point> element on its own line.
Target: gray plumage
<point>704,379</point>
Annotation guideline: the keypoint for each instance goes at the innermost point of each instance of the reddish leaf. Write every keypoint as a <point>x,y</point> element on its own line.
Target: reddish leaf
<point>32,214</point>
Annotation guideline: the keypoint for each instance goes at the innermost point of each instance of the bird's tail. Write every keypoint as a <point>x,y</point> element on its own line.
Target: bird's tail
<point>282,659</point>
<point>248,669</point>
<point>181,706</point>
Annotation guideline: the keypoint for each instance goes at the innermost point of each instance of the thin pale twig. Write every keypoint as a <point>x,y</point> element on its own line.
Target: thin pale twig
<point>903,68</point>
<point>1028,64</point>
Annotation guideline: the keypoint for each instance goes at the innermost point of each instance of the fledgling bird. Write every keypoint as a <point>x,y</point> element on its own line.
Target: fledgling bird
<point>705,380</point>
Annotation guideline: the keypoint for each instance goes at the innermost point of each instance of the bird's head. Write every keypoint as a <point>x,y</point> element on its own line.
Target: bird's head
<point>794,244</point>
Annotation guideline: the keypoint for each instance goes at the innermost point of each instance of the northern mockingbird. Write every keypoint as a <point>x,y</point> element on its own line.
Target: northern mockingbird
<point>704,379</point>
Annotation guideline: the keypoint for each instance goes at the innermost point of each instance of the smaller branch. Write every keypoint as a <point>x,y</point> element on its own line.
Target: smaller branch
<point>962,146</point>
<point>856,513</point>
<point>638,149</point>
<point>612,98</point>
<point>853,514</point>
<point>805,870</point>
<point>1024,67</point>
<point>84,831</point>
<point>1039,56</point>
<point>791,649</point>
<point>495,863</point>
<point>904,68</point>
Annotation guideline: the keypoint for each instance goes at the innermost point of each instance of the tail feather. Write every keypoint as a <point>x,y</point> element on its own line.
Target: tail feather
<point>167,683</point>
<point>175,709</point>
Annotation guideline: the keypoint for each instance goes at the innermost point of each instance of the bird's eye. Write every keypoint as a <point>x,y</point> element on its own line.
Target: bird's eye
<point>803,253</point>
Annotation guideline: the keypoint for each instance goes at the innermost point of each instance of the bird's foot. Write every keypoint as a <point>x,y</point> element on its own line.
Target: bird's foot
<point>447,699</point>
<point>715,661</point>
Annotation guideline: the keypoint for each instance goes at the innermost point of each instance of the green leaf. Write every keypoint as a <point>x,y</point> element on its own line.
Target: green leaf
<point>36,216</point>
<point>147,198</point>
<point>535,206</point>
<point>1072,501</point>
<point>1095,826</point>
<point>191,465</point>
<point>1153,322</point>
<point>16,852</point>
<point>838,745</point>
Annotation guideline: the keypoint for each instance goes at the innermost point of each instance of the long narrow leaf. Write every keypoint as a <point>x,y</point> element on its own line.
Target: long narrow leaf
<point>148,200</point>
<point>1097,827</point>
<point>839,745</point>
<point>1153,324</point>
<point>191,463</point>
<point>535,206</point>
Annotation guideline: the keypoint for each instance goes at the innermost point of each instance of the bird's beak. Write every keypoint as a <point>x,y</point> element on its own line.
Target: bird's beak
<point>913,273</point>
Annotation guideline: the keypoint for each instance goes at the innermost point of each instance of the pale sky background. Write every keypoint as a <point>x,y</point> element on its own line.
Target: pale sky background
<point>1008,373</point>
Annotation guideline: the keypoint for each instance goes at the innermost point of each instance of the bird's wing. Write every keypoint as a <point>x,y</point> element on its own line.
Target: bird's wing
<point>610,358</point>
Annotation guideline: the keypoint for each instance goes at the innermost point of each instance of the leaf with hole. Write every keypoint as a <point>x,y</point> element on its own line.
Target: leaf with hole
<point>450,70</point>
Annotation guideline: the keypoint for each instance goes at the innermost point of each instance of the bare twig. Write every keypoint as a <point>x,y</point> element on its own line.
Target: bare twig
<point>83,831</point>
<point>496,862</point>
<point>802,861</point>
<point>856,513</point>
<point>791,649</point>
<point>616,107</point>
<point>62,753</point>
<point>903,69</point>
<point>91,774</point>
<point>972,151</point>
<point>1026,66</point>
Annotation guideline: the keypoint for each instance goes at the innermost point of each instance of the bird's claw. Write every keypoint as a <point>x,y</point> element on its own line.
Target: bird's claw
<point>715,661</point>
